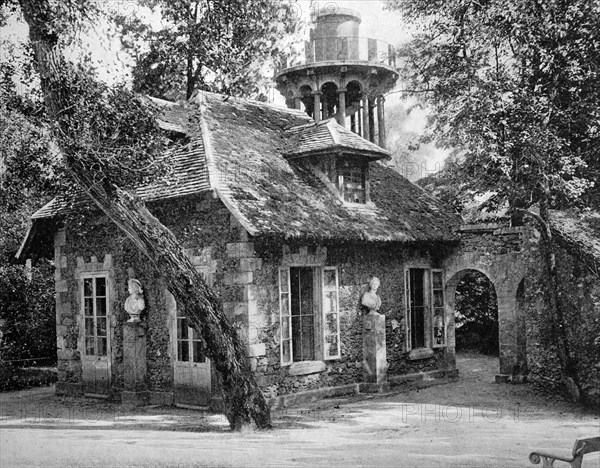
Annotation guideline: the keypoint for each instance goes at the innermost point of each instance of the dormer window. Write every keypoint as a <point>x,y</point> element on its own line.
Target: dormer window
<point>352,180</point>
<point>337,156</point>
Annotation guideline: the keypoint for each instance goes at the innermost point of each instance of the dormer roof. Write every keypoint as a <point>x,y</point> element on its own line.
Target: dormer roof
<point>327,137</point>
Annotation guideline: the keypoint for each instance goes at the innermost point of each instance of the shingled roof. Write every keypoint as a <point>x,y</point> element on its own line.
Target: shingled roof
<point>238,148</point>
<point>327,136</point>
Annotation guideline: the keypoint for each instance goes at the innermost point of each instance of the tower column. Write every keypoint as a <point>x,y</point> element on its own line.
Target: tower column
<point>381,120</point>
<point>358,116</point>
<point>317,111</point>
<point>371,114</point>
<point>297,103</point>
<point>341,114</point>
<point>365,117</point>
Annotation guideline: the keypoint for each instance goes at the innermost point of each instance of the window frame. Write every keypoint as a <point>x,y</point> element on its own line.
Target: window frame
<point>429,337</point>
<point>441,308</point>
<point>320,335</point>
<point>192,336</point>
<point>95,276</point>
<point>324,291</point>
<point>361,165</point>
<point>285,340</point>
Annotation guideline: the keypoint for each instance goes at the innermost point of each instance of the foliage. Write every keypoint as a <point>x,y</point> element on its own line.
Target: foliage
<point>112,132</point>
<point>29,175</point>
<point>476,314</point>
<point>28,165</point>
<point>12,378</point>
<point>27,309</point>
<point>514,88</point>
<point>218,46</point>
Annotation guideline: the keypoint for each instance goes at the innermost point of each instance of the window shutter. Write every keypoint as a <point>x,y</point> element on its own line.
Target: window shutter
<point>438,322</point>
<point>285,316</point>
<point>407,300</point>
<point>331,314</point>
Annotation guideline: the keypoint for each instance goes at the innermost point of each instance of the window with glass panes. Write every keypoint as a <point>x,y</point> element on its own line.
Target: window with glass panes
<point>425,312</point>
<point>189,343</point>
<point>95,311</point>
<point>309,314</point>
<point>351,181</point>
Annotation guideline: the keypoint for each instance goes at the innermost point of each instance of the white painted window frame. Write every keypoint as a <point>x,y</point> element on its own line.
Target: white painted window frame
<point>287,341</point>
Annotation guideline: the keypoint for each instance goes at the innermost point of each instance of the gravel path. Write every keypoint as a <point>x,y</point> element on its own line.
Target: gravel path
<point>467,422</point>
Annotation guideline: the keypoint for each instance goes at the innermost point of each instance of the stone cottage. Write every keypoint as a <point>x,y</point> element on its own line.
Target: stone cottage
<point>288,219</point>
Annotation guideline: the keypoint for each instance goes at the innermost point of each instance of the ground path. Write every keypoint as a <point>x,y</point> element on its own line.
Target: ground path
<point>469,422</point>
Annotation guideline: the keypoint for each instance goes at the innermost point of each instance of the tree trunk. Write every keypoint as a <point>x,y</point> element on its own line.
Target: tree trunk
<point>243,400</point>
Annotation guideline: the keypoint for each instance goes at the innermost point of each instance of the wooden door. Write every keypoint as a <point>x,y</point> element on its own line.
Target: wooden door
<point>96,336</point>
<point>191,367</point>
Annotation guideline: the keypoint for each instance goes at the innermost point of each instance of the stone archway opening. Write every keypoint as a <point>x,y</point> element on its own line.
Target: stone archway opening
<point>476,314</point>
<point>473,306</point>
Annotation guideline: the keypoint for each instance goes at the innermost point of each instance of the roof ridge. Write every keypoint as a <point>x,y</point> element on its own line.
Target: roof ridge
<point>335,135</point>
<point>203,96</point>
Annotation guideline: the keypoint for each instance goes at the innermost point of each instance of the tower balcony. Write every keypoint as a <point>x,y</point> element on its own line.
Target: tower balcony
<point>349,50</point>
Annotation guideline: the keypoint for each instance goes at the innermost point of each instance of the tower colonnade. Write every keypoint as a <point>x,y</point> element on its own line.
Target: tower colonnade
<point>341,75</point>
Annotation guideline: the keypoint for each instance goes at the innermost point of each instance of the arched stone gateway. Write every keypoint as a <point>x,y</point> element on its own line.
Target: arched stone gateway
<point>497,254</point>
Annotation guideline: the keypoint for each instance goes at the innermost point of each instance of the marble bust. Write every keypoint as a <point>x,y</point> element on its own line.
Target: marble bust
<point>370,299</point>
<point>134,304</point>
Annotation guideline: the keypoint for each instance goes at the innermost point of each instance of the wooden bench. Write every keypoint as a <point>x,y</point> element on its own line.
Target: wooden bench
<point>581,447</point>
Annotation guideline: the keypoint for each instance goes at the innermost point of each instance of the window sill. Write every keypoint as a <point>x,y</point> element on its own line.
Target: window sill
<point>420,353</point>
<point>368,206</point>
<point>307,367</point>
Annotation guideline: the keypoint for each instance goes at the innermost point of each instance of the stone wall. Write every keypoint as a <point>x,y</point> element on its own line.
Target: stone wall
<point>579,293</point>
<point>259,263</point>
<point>244,271</point>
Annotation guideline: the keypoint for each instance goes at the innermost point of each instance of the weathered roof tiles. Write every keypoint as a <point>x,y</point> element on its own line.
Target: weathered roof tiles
<point>239,149</point>
<point>329,136</point>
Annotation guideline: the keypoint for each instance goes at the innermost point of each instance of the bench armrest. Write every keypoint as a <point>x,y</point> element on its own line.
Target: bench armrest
<point>547,459</point>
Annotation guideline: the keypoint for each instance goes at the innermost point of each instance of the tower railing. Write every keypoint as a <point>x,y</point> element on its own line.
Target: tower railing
<point>349,48</point>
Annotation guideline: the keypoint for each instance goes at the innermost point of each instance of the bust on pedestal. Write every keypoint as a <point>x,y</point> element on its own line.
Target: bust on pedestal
<point>370,299</point>
<point>134,348</point>
<point>374,345</point>
<point>134,304</point>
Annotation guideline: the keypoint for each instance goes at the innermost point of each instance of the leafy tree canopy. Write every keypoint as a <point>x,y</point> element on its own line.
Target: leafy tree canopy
<point>29,172</point>
<point>110,130</point>
<point>514,88</point>
<point>219,46</point>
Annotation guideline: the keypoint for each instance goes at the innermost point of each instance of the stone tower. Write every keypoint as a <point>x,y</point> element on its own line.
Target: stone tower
<point>341,74</point>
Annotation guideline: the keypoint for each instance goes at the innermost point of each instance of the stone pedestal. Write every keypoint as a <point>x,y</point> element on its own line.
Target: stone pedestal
<point>374,353</point>
<point>135,390</point>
